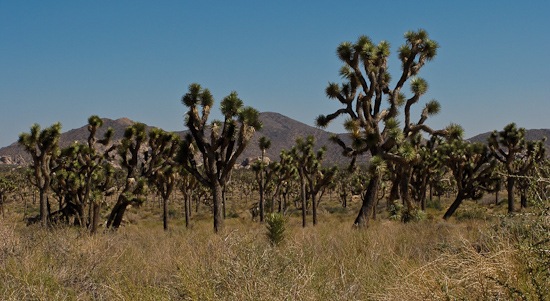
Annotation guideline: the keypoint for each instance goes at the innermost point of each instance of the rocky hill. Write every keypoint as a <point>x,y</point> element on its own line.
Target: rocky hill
<point>534,134</point>
<point>281,130</point>
<point>15,154</point>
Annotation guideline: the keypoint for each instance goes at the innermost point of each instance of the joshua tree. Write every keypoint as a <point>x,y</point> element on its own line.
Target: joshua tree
<point>83,177</point>
<point>135,186</point>
<point>313,177</point>
<point>516,154</point>
<point>262,176</point>
<point>160,166</point>
<point>373,127</point>
<point>7,186</point>
<point>284,172</point>
<point>244,180</point>
<point>422,172</point>
<point>99,171</point>
<point>472,166</point>
<point>43,148</point>
<point>190,188</point>
<point>219,143</point>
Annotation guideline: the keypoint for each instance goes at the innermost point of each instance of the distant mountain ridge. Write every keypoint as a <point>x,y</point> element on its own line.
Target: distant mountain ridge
<point>280,129</point>
<point>530,135</point>
<point>15,154</point>
<point>283,132</point>
<point>534,134</point>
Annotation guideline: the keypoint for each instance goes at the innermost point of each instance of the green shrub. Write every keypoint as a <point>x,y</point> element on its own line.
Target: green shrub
<point>232,214</point>
<point>472,213</point>
<point>434,204</point>
<point>415,215</point>
<point>395,211</point>
<point>275,224</point>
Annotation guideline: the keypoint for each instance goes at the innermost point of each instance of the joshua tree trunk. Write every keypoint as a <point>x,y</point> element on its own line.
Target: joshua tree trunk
<point>510,187</point>
<point>165,213</point>
<point>217,201</point>
<point>523,194</point>
<point>272,210</point>
<point>90,217</point>
<point>117,213</point>
<point>404,187</point>
<point>187,205</point>
<point>369,199</point>
<point>313,205</point>
<point>394,193</point>
<point>80,217</point>
<point>304,199</point>
<point>262,199</point>
<point>43,207</point>
<point>458,200</point>
<point>223,201</point>
<point>423,191</point>
<point>95,217</point>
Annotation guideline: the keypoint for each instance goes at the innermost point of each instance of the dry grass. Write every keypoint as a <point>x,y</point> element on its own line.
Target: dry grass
<point>333,261</point>
<point>476,256</point>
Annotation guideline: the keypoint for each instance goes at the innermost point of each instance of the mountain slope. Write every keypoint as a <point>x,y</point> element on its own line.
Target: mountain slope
<point>535,134</point>
<point>15,154</point>
<point>281,130</point>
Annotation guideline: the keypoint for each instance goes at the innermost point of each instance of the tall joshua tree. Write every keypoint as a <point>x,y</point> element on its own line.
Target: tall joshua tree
<point>283,172</point>
<point>219,143</point>
<point>135,186</point>
<point>99,179</point>
<point>7,186</point>
<point>43,147</point>
<point>261,177</point>
<point>472,166</point>
<point>313,177</point>
<point>189,187</point>
<point>374,127</point>
<point>516,154</point>
<point>84,176</point>
<point>160,167</point>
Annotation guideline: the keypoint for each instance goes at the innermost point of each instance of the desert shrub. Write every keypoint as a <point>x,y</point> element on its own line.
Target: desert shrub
<point>415,215</point>
<point>434,204</point>
<point>395,211</point>
<point>471,214</point>
<point>530,235</point>
<point>232,214</point>
<point>275,225</point>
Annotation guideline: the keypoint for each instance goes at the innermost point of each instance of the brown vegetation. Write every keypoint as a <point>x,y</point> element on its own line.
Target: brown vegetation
<point>477,256</point>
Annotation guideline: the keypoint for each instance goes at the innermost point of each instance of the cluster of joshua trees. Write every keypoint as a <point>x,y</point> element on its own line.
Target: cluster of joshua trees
<point>409,161</point>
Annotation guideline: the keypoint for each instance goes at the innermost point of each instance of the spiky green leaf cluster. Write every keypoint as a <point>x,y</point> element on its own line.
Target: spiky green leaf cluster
<point>250,117</point>
<point>377,165</point>
<point>345,51</point>
<point>407,151</point>
<point>393,130</point>
<point>432,107</point>
<point>401,99</point>
<point>231,105</point>
<point>197,96</point>
<point>419,86</point>
<point>264,143</point>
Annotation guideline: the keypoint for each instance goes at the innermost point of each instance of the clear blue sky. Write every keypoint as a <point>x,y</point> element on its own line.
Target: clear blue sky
<point>66,60</point>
